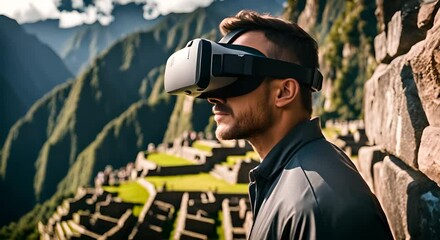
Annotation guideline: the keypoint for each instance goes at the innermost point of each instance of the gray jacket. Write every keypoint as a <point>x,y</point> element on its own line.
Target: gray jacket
<point>307,188</point>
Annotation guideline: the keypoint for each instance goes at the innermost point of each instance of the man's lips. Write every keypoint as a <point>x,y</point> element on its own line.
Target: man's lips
<point>220,111</point>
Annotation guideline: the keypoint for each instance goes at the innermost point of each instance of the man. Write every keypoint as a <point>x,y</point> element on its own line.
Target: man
<point>304,187</point>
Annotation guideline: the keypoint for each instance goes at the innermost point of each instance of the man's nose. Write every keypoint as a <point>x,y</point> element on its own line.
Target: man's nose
<point>216,100</point>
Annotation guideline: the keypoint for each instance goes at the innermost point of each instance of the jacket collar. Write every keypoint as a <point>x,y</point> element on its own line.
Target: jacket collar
<point>281,153</point>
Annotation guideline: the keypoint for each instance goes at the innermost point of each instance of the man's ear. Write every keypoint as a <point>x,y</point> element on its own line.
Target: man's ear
<point>287,92</point>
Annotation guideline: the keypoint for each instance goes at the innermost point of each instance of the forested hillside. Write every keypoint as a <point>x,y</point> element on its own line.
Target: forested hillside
<point>345,31</point>
<point>24,77</point>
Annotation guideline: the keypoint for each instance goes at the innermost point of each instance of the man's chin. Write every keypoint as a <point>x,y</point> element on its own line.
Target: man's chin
<point>224,134</point>
<point>221,136</point>
<point>227,133</point>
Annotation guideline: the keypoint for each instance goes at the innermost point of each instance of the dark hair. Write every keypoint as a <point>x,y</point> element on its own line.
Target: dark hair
<point>290,42</point>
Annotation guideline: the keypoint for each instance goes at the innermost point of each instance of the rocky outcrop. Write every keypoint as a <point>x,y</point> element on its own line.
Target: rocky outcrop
<point>402,118</point>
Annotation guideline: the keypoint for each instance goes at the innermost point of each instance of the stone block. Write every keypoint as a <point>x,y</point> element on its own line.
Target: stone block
<point>376,181</point>
<point>367,158</point>
<point>360,137</point>
<point>425,17</point>
<point>385,10</point>
<point>437,18</point>
<point>380,48</point>
<point>394,116</point>
<point>410,200</point>
<point>403,32</point>
<point>373,121</point>
<point>424,59</point>
<point>429,153</point>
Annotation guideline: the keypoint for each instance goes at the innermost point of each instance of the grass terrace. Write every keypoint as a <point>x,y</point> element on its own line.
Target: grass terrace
<point>166,160</point>
<point>220,229</point>
<point>232,159</point>
<point>199,145</point>
<point>197,182</point>
<point>130,192</point>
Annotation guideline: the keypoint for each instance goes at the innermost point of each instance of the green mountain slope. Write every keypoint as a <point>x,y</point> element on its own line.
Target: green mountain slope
<point>28,70</point>
<point>139,125</point>
<point>184,118</point>
<point>17,161</point>
<point>102,93</point>
<point>349,55</point>
<point>345,31</point>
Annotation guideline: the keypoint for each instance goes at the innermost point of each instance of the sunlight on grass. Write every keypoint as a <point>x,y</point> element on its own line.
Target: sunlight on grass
<point>199,145</point>
<point>129,192</point>
<point>137,210</point>
<point>197,182</point>
<point>253,155</point>
<point>173,230</point>
<point>166,160</point>
<point>232,159</point>
<point>220,229</point>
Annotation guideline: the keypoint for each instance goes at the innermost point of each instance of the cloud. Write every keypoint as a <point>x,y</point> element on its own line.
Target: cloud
<point>179,6</point>
<point>105,19</point>
<point>29,11</point>
<point>75,18</point>
<point>25,11</point>
<point>154,8</point>
<point>77,4</point>
<point>104,6</point>
<point>71,19</point>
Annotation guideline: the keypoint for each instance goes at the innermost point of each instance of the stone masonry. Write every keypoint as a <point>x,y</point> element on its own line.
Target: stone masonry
<point>402,118</point>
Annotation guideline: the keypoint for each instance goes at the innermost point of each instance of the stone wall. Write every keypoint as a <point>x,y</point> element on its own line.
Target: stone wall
<point>402,118</point>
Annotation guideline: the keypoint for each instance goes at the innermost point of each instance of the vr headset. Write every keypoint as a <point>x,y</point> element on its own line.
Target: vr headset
<point>206,69</point>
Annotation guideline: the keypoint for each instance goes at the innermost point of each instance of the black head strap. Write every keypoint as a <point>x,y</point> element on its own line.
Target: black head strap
<point>232,35</point>
<point>311,77</point>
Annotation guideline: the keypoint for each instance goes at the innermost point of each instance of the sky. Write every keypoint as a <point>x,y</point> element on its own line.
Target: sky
<point>25,11</point>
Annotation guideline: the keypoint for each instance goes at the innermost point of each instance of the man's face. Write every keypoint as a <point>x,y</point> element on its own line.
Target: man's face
<point>248,115</point>
<point>243,117</point>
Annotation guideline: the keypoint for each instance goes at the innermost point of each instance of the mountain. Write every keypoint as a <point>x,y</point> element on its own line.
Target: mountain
<point>17,161</point>
<point>138,126</point>
<point>112,84</point>
<point>345,31</point>
<point>49,32</point>
<point>28,70</point>
<point>102,93</point>
<point>113,109</point>
<point>79,45</point>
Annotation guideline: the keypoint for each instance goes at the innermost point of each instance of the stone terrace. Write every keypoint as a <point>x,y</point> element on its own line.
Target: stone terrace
<point>91,214</point>
<point>238,173</point>
<point>237,218</point>
<point>96,214</point>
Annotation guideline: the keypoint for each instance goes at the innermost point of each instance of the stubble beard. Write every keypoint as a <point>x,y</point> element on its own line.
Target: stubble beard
<point>247,124</point>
